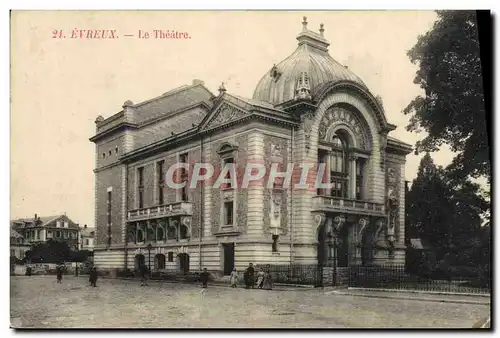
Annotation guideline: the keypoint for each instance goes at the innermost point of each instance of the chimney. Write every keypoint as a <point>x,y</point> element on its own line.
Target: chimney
<point>85,226</point>
<point>198,82</point>
<point>36,216</point>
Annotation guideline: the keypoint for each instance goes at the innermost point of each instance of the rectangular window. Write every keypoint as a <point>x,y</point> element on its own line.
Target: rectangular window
<point>228,213</point>
<point>359,178</point>
<point>38,234</point>
<point>275,243</point>
<point>58,234</point>
<point>58,224</point>
<point>49,234</point>
<point>66,224</point>
<point>12,252</point>
<point>109,207</point>
<point>86,241</point>
<point>183,158</point>
<point>140,186</point>
<point>229,174</point>
<point>109,217</point>
<point>170,256</point>
<point>65,234</point>
<point>161,180</point>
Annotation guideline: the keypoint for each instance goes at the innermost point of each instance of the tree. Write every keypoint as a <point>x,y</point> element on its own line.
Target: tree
<point>452,111</point>
<point>443,213</point>
<point>50,252</point>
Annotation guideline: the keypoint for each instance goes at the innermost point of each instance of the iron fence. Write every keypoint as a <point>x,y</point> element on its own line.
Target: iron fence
<point>300,274</point>
<point>395,277</point>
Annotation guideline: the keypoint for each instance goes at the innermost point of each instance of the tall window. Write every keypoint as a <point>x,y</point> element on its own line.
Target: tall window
<point>183,158</point>
<point>161,180</point>
<point>228,160</point>
<point>275,243</point>
<point>140,186</point>
<point>109,218</point>
<point>338,167</point>
<point>359,178</point>
<point>228,213</point>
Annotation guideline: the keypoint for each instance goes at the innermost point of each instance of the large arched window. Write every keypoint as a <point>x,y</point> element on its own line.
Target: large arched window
<point>338,166</point>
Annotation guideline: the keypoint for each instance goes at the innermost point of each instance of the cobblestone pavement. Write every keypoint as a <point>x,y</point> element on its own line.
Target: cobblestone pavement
<point>38,301</point>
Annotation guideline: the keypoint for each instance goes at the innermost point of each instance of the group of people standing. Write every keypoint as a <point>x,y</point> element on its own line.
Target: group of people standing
<point>262,280</point>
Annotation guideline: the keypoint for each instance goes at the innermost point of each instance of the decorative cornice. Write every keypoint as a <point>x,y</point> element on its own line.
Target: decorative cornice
<point>326,88</point>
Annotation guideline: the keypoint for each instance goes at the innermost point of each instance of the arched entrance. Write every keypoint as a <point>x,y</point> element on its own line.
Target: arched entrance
<point>322,249</point>
<point>342,247</point>
<point>183,259</point>
<point>139,261</point>
<point>367,246</point>
<point>160,262</point>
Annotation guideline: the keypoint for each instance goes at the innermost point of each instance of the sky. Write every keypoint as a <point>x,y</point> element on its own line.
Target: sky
<point>60,86</point>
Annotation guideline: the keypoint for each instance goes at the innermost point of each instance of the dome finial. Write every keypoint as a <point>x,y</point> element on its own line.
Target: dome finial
<point>321,29</point>
<point>304,23</point>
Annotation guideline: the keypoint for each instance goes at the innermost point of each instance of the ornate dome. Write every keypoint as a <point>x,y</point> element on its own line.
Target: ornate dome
<point>301,73</point>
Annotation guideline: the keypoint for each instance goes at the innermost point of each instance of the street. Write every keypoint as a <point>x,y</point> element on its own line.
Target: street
<point>39,302</point>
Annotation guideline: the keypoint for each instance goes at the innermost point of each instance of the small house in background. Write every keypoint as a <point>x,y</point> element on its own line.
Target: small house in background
<point>87,238</point>
<point>18,245</point>
<point>41,229</point>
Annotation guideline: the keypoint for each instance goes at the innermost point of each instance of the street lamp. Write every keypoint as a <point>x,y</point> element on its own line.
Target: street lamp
<point>149,257</point>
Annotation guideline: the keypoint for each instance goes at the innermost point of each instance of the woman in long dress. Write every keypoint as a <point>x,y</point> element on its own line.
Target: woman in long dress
<point>260,279</point>
<point>234,278</point>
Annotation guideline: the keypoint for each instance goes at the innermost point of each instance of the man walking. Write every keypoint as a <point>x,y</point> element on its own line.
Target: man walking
<point>144,275</point>
<point>93,276</point>
<point>59,273</point>
<point>249,273</point>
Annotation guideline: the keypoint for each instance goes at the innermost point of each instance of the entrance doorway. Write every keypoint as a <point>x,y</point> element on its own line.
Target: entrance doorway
<point>139,261</point>
<point>367,247</point>
<point>228,249</point>
<point>183,262</point>
<point>322,251</point>
<point>343,247</point>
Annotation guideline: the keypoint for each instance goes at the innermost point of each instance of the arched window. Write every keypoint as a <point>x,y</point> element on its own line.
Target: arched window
<point>160,234</point>
<point>338,166</point>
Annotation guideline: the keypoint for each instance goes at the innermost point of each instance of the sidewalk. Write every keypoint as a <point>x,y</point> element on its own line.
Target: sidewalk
<point>420,296</point>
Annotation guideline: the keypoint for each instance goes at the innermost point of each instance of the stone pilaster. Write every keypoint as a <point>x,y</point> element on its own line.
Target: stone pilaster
<point>255,154</point>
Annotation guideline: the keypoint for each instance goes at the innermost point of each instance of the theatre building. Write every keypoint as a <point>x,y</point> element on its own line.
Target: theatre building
<point>307,108</point>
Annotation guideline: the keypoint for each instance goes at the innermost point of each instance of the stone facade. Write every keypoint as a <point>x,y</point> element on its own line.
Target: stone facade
<point>333,121</point>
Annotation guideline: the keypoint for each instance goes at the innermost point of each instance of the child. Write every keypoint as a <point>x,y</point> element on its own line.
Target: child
<point>204,278</point>
<point>234,278</point>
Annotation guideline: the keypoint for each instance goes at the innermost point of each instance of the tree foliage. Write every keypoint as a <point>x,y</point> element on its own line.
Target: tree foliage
<point>443,213</point>
<point>56,252</point>
<point>452,111</point>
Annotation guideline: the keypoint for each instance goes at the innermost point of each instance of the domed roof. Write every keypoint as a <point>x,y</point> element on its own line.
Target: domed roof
<point>302,72</point>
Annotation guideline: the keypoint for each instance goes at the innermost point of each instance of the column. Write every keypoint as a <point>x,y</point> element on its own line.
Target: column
<point>327,160</point>
<point>352,169</point>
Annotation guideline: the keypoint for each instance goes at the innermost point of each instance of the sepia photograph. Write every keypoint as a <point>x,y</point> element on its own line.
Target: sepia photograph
<point>250,169</point>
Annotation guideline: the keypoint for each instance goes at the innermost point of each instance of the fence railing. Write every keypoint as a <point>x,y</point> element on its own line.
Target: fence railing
<point>300,274</point>
<point>395,277</point>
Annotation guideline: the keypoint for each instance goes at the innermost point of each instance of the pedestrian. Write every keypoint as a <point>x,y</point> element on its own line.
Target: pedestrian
<point>268,280</point>
<point>204,278</point>
<point>234,278</point>
<point>144,275</point>
<point>93,276</point>
<point>28,271</point>
<point>59,273</point>
<point>250,271</point>
<point>260,278</point>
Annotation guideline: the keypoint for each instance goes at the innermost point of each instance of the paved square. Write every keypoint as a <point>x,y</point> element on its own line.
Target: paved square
<point>38,301</point>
